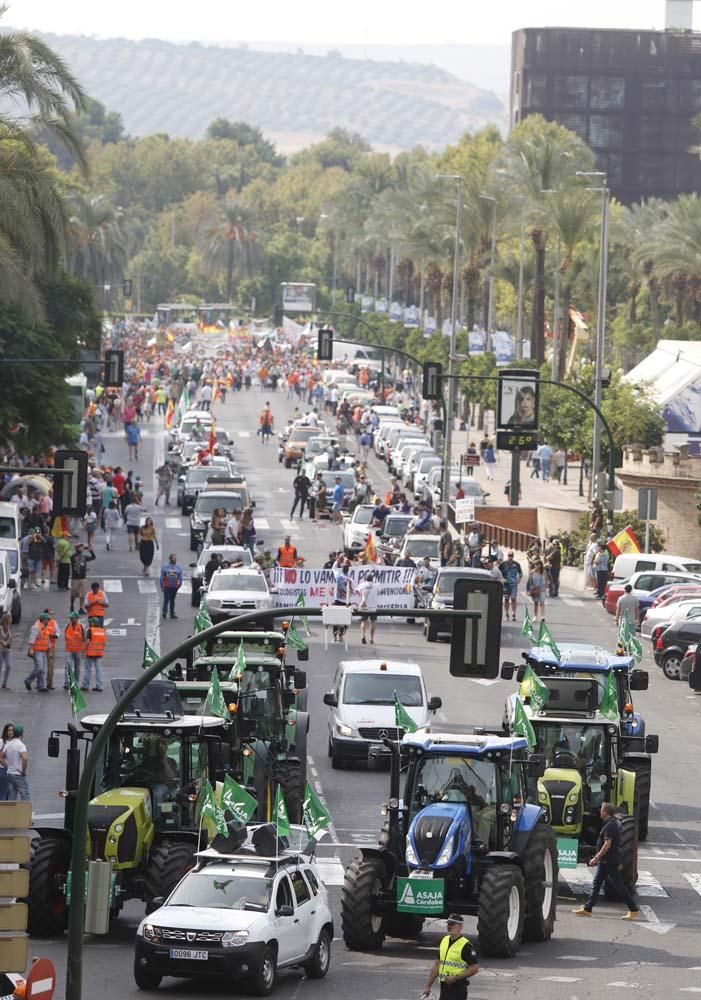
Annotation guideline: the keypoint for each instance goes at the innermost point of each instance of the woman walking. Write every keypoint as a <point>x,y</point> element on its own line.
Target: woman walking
<point>535,588</point>
<point>490,460</point>
<point>148,542</point>
<point>5,644</point>
<point>248,530</point>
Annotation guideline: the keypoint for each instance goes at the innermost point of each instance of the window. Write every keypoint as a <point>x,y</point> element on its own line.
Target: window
<point>572,91</point>
<point>658,133</point>
<point>658,95</point>
<point>607,92</point>
<point>517,83</point>
<point>612,165</point>
<point>283,897</point>
<point>642,564</point>
<point>536,89</point>
<point>605,131</point>
<point>312,879</point>
<point>301,888</point>
<point>574,122</point>
<point>690,95</point>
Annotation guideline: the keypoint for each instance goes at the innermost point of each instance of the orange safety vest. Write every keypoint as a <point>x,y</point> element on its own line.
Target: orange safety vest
<point>287,556</point>
<point>96,604</point>
<point>74,637</point>
<point>43,639</point>
<point>53,631</point>
<point>266,419</point>
<point>95,646</point>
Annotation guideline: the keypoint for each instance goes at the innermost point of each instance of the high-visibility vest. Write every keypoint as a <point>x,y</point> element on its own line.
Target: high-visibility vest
<point>96,604</point>
<point>74,637</point>
<point>43,639</point>
<point>287,556</point>
<point>95,646</point>
<point>52,626</point>
<point>450,953</point>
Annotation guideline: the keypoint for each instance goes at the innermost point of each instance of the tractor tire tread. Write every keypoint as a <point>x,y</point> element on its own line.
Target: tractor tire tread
<point>169,861</point>
<point>493,912</point>
<point>356,905</point>
<point>536,927</point>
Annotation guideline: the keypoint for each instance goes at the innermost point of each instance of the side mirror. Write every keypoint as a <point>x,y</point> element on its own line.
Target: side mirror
<point>434,704</point>
<point>192,565</point>
<point>639,680</point>
<point>54,746</point>
<point>302,655</point>
<point>329,699</point>
<point>507,670</point>
<point>520,674</point>
<point>157,901</point>
<point>536,765</point>
<point>300,679</point>
<point>284,911</point>
<point>652,744</point>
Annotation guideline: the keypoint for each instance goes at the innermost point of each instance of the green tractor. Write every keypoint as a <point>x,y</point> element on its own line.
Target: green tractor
<point>589,760</point>
<point>266,739</point>
<point>143,814</point>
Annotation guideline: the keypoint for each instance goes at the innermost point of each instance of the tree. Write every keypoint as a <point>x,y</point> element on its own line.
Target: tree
<point>97,242</point>
<point>243,135</point>
<point>229,244</point>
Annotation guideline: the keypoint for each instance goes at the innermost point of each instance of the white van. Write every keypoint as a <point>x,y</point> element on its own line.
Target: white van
<point>383,432</point>
<point>627,564</point>
<point>347,351</point>
<point>10,600</point>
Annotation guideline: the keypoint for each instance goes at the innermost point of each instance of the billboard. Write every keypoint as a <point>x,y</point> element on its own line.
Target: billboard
<point>517,403</point>
<point>298,297</point>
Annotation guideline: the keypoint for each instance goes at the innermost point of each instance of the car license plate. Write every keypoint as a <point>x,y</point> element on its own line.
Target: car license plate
<point>187,953</point>
<point>375,749</point>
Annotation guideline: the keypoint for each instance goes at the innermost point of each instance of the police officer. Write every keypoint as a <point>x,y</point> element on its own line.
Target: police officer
<point>456,963</point>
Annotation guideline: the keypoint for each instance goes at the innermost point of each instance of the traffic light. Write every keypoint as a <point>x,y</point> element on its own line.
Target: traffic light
<point>15,846</point>
<point>475,643</point>
<point>70,492</point>
<point>114,369</point>
<point>350,295</point>
<point>126,288</point>
<point>278,316</point>
<point>325,345</point>
<point>432,375</point>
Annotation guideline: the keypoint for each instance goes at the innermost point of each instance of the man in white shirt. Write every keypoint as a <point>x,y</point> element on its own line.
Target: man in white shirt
<point>369,599</point>
<point>16,760</point>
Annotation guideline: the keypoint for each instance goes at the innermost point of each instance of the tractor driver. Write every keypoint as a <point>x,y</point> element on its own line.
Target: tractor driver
<point>484,814</point>
<point>162,770</point>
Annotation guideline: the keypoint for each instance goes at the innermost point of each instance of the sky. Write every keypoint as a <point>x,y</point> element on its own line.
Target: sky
<point>363,22</point>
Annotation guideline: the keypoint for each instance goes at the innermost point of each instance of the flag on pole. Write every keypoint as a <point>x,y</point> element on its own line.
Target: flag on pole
<point>170,414</point>
<point>214,702</point>
<point>316,816</point>
<point>216,394</point>
<point>211,444</point>
<point>294,639</point>
<point>150,656</point>
<point>239,667</point>
<point>533,687</point>
<point>546,639</point>
<point>236,799</point>
<point>78,702</point>
<point>629,640</point>
<point>370,550</point>
<point>202,620</point>
<point>299,603</point>
<point>402,719</point>
<point>282,821</point>
<point>521,726</point>
<point>210,812</point>
<point>527,628</point>
<point>624,542</point>
<point>609,698</point>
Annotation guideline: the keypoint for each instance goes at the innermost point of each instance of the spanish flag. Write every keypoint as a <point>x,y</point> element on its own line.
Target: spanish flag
<point>370,552</point>
<point>624,542</point>
<point>216,394</point>
<point>170,414</point>
<point>212,438</point>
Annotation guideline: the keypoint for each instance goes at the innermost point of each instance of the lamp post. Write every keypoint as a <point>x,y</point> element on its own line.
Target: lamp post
<point>450,415</point>
<point>335,259</point>
<point>492,253</point>
<point>601,324</point>
<point>519,315</point>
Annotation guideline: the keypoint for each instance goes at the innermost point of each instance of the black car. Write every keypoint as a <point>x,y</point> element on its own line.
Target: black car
<point>195,479</point>
<point>671,646</point>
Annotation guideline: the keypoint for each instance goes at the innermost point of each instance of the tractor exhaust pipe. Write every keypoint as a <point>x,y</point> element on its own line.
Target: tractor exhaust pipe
<point>393,805</point>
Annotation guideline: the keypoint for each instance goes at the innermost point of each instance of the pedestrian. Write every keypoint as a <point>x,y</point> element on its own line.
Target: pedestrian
<point>79,573</point>
<point>456,963</point>
<point>95,640</point>
<point>90,522</point>
<point>446,543</point>
<point>63,561</point>
<point>535,466</point>
<point>628,606</point>
<point>133,439</point>
<point>490,460</point>
<point>560,460</point>
<point>35,551</point>
<point>472,458</point>
<point>301,485</point>
<point>17,760</point>
<point>535,588</point>
<point>8,731</point>
<point>133,512</point>
<point>148,543</point>
<point>343,588</point>
<point>248,530</point>
<point>512,574</point>
<point>607,861</point>
<point>39,642</point>
<point>601,568</point>
<point>48,558</point>
<point>553,565</point>
<point>74,640</point>
<point>113,519</point>
<point>171,582</point>
<point>369,600</point>
<point>287,554</point>
<point>545,454</point>
<point>589,571</point>
<point>266,423</point>
<point>51,651</point>
<point>96,602</point>
<point>165,477</point>
<point>5,649</point>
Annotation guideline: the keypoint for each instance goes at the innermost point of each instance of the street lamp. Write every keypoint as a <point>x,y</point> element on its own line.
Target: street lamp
<point>492,253</point>
<point>335,260</point>
<point>450,415</point>
<point>601,325</point>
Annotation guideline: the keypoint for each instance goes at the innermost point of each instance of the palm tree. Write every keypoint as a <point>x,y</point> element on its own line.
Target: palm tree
<point>97,240</point>
<point>230,244</point>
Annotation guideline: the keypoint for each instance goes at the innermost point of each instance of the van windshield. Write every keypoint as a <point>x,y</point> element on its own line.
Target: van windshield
<point>379,689</point>
<point>8,527</point>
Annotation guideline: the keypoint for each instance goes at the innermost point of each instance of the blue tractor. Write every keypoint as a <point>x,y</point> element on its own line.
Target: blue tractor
<point>463,839</point>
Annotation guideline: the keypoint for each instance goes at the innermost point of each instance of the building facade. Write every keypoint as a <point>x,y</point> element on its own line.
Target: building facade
<point>630,95</point>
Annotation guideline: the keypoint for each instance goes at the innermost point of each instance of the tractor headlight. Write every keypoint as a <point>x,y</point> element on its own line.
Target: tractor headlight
<point>542,796</point>
<point>569,813</point>
<point>447,852</point>
<point>572,797</point>
<point>149,932</point>
<point>118,827</point>
<point>111,840</point>
<point>234,939</point>
<point>410,854</point>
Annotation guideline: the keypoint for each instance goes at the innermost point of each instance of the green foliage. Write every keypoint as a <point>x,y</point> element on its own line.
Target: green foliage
<point>243,135</point>
<point>575,542</point>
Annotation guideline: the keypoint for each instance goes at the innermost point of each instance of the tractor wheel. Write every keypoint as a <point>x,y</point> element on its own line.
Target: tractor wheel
<point>46,901</point>
<point>541,873</point>
<point>431,633</point>
<point>169,861</point>
<point>628,853</point>
<point>362,923</point>
<point>501,912</point>
<point>287,774</point>
<point>643,781</point>
<point>403,925</point>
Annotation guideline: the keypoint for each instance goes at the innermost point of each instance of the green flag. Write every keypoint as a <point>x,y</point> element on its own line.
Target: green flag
<point>202,619</point>
<point>609,698</point>
<point>78,702</point>
<point>629,640</point>
<point>210,812</point>
<point>533,686</point>
<point>239,668</point>
<point>282,821</point>
<point>294,639</point>
<point>299,603</point>
<point>521,725</point>
<point>527,628</point>
<point>214,703</point>
<point>546,639</point>
<point>150,656</point>
<point>316,816</point>
<point>236,799</point>
<point>402,719</point>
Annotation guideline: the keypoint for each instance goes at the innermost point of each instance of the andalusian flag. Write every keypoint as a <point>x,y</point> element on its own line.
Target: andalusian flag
<point>78,702</point>
<point>521,726</point>
<point>214,702</point>
<point>316,816</point>
<point>299,603</point>
<point>210,812</point>
<point>609,698</point>
<point>294,639</point>
<point>150,656</point>
<point>527,628</point>
<point>236,799</point>
<point>170,414</point>
<point>533,688</point>
<point>282,821</point>
<point>402,719</point>
<point>239,667</point>
<point>629,640</point>
<point>624,542</point>
<point>546,639</point>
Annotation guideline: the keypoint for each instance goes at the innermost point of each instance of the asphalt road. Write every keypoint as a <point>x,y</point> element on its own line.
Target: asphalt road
<point>657,956</point>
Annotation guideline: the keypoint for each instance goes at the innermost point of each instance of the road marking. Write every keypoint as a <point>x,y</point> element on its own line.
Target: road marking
<point>627,986</point>
<point>653,921</point>
<point>288,525</point>
<point>131,621</point>
<point>483,681</point>
<point>118,632</point>
<point>173,522</point>
<point>186,587</point>
<point>694,880</point>
<point>244,434</point>
<point>578,958</point>
<point>262,524</point>
<point>146,586</point>
<point>112,586</point>
<point>676,860</point>
<point>581,878</point>
<point>573,602</point>
<point>690,989</point>
<point>153,624</point>
<point>648,885</point>
<point>560,979</point>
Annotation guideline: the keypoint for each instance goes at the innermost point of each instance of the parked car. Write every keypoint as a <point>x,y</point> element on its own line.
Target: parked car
<point>10,600</point>
<point>296,444</point>
<point>670,647</point>
<point>232,592</point>
<point>657,619</point>
<point>642,583</point>
<point>390,537</point>
<point>628,563</point>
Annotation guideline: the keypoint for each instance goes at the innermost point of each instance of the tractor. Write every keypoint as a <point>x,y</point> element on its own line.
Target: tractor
<point>463,839</point>
<point>588,762</point>
<point>266,738</point>
<point>142,817</point>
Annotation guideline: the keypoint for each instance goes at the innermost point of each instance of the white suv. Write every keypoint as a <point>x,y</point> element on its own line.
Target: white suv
<point>234,592</point>
<point>240,916</point>
<point>357,529</point>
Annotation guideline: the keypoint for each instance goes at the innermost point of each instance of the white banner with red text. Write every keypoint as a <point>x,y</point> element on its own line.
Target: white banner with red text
<point>394,585</point>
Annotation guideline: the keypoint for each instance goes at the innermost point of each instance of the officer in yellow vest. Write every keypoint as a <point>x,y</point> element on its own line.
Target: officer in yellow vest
<point>456,963</point>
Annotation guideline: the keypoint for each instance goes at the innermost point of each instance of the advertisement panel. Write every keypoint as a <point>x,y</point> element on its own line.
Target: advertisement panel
<point>394,585</point>
<point>517,402</point>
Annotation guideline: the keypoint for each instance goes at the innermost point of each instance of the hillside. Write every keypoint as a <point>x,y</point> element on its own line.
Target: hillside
<point>294,98</point>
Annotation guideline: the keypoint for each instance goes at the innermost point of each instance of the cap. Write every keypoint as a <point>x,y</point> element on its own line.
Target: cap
<point>455,918</point>
<point>93,619</point>
<point>18,728</point>
<point>73,614</point>
<point>44,617</point>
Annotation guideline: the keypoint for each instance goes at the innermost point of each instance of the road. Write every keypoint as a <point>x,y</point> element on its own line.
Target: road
<point>656,956</point>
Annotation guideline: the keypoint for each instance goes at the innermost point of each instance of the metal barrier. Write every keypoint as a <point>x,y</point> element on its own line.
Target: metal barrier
<point>506,538</point>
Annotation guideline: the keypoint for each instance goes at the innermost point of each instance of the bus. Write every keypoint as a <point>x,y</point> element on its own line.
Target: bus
<point>175,314</point>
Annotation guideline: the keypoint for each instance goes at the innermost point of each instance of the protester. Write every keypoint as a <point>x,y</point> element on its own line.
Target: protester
<point>369,600</point>
<point>17,761</point>
<point>79,573</point>
<point>171,581</point>
<point>148,543</point>
<point>95,641</point>
<point>74,640</point>
<point>5,649</point>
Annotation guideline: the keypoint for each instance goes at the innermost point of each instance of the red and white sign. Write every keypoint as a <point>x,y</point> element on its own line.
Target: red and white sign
<point>41,981</point>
